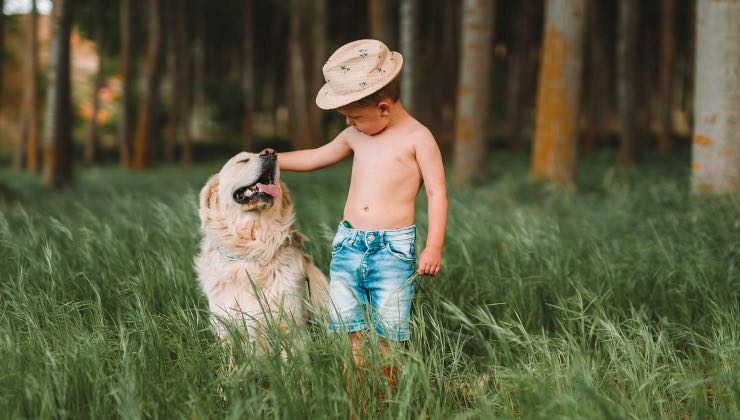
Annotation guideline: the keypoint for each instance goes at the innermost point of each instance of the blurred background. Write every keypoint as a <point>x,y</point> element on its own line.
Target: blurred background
<point>140,83</point>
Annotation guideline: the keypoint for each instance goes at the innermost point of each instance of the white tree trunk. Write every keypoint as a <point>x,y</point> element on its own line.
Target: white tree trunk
<point>409,10</point>
<point>716,149</point>
<point>471,128</point>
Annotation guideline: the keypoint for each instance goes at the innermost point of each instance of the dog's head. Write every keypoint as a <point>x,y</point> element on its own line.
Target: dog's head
<point>247,185</point>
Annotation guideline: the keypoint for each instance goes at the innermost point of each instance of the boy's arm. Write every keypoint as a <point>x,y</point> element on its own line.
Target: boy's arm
<point>312,159</point>
<point>429,159</point>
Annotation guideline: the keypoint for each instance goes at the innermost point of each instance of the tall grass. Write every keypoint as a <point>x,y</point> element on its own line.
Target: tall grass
<point>619,299</point>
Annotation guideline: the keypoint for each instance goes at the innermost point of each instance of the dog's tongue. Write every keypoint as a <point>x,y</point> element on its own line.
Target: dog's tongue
<point>267,189</point>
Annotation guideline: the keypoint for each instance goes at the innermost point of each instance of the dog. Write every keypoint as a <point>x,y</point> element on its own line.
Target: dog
<point>250,265</point>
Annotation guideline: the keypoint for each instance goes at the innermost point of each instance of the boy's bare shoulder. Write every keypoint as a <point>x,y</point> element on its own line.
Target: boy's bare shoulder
<point>420,134</point>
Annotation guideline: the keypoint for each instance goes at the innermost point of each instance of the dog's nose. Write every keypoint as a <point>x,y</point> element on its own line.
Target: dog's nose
<point>267,153</point>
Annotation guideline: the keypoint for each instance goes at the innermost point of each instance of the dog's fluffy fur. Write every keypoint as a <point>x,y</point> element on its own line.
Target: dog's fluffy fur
<point>250,264</point>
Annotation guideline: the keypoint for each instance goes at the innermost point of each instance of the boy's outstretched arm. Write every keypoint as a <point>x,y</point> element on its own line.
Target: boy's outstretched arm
<point>312,159</point>
<point>433,174</point>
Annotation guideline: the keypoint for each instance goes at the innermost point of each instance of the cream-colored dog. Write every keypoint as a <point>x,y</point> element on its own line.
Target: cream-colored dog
<point>250,264</point>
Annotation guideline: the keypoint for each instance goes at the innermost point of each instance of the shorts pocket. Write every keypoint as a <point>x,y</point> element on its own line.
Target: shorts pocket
<point>402,250</point>
<point>338,243</point>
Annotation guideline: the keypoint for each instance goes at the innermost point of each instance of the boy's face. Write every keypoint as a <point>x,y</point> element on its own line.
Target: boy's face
<point>369,120</point>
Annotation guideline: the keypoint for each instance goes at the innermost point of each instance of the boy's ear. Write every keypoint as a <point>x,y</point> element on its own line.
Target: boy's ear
<point>384,106</point>
<point>208,200</point>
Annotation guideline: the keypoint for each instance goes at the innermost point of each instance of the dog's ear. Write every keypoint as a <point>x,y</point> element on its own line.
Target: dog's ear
<point>208,200</point>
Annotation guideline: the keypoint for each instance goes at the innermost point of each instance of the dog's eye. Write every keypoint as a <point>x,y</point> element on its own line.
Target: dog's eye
<point>244,160</point>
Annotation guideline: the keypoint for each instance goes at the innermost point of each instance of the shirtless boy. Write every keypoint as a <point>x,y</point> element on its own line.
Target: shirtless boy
<point>373,258</point>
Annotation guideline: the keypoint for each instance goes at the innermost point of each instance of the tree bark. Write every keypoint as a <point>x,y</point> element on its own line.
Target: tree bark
<point>28,144</point>
<point>184,101</point>
<point>146,126</point>
<point>409,33</point>
<point>519,70</point>
<point>627,53</point>
<point>667,18</point>
<point>471,128</point>
<point>57,133</point>
<point>2,57</point>
<point>318,34</point>
<point>599,78</point>
<point>91,144</point>
<point>124,123</point>
<point>716,142</point>
<point>380,13</point>
<point>248,77</point>
<point>301,132</point>
<point>559,92</point>
<point>197,129</point>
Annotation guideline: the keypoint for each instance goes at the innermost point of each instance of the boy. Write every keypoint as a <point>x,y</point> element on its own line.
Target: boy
<point>373,251</point>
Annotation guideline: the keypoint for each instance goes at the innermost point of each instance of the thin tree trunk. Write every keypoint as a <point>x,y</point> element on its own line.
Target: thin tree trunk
<point>173,117</point>
<point>450,45</point>
<point>185,101</point>
<point>409,34</point>
<point>146,126</point>
<point>57,133</point>
<point>667,18</point>
<point>2,58</point>
<point>471,128</point>
<point>559,91</point>
<point>28,140</point>
<point>519,70</point>
<point>199,100</point>
<point>92,138</point>
<point>380,13</point>
<point>627,50</point>
<point>318,34</point>
<point>301,133</point>
<point>716,142</point>
<point>599,77</point>
<point>124,124</point>
<point>248,77</point>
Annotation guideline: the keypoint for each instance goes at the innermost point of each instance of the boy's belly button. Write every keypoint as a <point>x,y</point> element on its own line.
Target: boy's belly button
<point>366,208</point>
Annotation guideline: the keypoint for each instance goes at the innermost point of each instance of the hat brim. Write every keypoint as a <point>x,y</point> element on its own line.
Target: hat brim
<point>327,99</point>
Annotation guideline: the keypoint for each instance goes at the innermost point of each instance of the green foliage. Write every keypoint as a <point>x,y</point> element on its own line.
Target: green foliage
<point>619,299</point>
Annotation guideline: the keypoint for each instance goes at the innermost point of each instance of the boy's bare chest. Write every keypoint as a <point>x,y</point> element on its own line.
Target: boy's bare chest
<point>384,154</point>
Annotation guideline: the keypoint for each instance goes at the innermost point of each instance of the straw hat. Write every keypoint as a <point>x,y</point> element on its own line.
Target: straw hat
<point>357,70</point>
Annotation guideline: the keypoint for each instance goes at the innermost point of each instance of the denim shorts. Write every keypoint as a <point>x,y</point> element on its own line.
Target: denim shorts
<point>371,281</point>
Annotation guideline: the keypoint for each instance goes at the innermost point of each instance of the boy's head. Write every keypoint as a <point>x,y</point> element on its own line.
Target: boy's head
<point>360,74</point>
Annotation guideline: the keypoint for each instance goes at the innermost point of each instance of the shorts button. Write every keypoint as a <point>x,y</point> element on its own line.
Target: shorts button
<point>371,238</point>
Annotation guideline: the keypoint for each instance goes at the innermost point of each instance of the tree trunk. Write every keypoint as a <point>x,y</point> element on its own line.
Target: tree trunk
<point>318,34</point>
<point>199,55</point>
<point>28,144</point>
<point>627,53</point>
<point>599,78</point>
<point>559,91</point>
<point>301,132</point>
<point>183,83</point>
<point>124,124</point>
<point>519,70</point>
<point>146,125</point>
<point>92,138</point>
<point>248,77</point>
<point>667,18</point>
<point>2,57</point>
<point>409,33</point>
<point>716,142</point>
<point>171,133</point>
<point>471,128</point>
<point>380,13</point>
<point>57,133</point>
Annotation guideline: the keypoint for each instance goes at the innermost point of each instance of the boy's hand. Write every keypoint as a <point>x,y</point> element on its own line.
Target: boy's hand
<point>430,261</point>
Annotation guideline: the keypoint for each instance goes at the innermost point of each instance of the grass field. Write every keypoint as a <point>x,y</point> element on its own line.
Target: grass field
<point>617,300</point>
